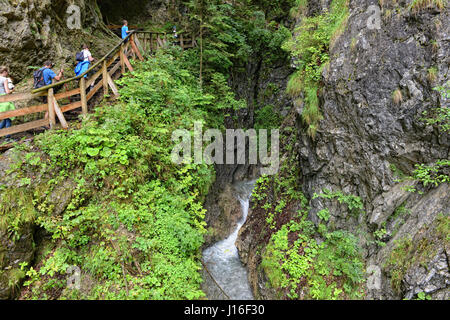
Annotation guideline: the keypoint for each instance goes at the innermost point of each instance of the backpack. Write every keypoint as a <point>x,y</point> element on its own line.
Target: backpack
<point>79,56</point>
<point>38,76</point>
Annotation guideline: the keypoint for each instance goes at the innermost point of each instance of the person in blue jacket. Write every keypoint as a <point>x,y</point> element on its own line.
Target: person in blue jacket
<point>49,75</point>
<point>83,66</point>
<point>125,30</point>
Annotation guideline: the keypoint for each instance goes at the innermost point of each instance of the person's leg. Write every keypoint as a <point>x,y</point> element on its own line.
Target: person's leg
<point>4,124</point>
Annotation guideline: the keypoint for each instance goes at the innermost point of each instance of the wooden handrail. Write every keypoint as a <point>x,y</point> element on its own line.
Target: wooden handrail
<point>113,50</point>
<point>55,111</point>
<point>118,26</point>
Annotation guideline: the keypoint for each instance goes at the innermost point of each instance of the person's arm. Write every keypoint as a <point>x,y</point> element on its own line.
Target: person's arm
<point>5,84</point>
<point>59,76</point>
<point>89,56</point>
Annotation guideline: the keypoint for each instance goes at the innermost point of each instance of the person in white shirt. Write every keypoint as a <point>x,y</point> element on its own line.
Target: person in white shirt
<point>87,54</point>
<point>83,65</point>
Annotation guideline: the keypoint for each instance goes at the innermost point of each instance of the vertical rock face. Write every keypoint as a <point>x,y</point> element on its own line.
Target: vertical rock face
<point>152,11</point>
<point>366,138</point>
<point>35,31</point>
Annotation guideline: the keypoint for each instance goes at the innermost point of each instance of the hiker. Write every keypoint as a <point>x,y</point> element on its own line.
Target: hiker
<point>175,36</point>
<point>84,59</point>
<point>174,31</point>
<point>125,30</point>
<point>5,88</point>
<point>45,75</point>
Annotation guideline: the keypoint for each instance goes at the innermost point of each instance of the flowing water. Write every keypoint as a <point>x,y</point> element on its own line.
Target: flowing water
<point>222,259</point>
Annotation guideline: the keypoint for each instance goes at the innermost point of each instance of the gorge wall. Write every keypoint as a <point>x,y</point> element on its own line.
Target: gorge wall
<point>365,142</point>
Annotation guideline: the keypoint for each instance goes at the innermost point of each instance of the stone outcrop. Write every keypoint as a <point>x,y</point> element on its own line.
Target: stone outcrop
<point>366,140</point>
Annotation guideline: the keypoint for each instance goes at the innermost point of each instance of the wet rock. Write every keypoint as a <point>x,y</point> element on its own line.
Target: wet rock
<point>364,135</point>
<point>224,211</point>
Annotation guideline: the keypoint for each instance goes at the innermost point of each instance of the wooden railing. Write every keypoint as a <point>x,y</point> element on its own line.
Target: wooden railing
<point>101,76</point>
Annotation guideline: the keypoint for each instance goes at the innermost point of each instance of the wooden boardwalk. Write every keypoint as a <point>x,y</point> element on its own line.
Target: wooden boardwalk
<point>114,64</point>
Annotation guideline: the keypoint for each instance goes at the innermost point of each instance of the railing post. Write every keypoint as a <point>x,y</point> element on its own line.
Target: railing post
<point>84,106</point>
<point>145,43</point>
<point>151,42</point>
<point>131,44</point>
<point>51,108</point>
<point>122,56</point>
<point>181,41</point>
<point>105,78</point>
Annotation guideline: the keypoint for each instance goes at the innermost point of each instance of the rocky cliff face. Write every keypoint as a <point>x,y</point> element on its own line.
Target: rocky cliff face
<point>36,31</point>
<point>366,140</point>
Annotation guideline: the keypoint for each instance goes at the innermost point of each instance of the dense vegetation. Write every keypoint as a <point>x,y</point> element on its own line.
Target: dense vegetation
<point>134,221</point>
<point>310,47</point>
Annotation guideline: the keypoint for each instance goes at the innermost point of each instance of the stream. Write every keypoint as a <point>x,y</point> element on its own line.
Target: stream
<point>222,258</point>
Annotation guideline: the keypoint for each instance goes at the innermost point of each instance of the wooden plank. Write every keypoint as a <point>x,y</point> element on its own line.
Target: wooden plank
<point>113,59</point>
<point>112,85</point>
<point>94,90</point>
<point>24,127</point>
<point>96,64</point>
<point>20,96</point>
<point>72,106</point>
<point>122,61</point>
<point>158,42</point>
<point>136,50</point>
<point>60,115</point>
<point>5,147</point>
<point>67,94</point>
<point>114,69</point>
<point>84,105</point>
<point>116,26</point>
<point>93,78</point>
<point>140,48</point>
<point>145,43</point>
<point>105,79</point>
<point>51,109</point>
<point>23,111</point>
<point>127,63</point>
<point>151,42</point>
<point>181,41</point>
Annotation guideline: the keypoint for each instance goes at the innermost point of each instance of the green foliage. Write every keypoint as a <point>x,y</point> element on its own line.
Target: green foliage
<point>423,296</point>
<point>134,222</point>
<point>433,174</point>
<point>409,252</point>
<point>332,269</point>
<point>354,203</point>
<point>324,214</point>
<point>440,117</point>
<point>232,34</point>
<point>418,5</point>
<point>399,174</point>
<point>267,118</point>
<point>310,47</point>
